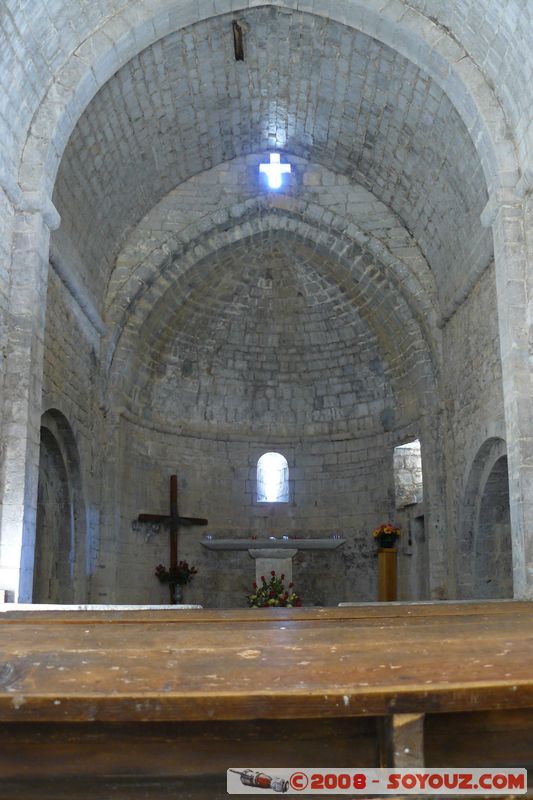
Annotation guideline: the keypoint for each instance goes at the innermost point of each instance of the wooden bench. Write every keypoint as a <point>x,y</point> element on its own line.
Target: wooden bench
<point>136,704</point>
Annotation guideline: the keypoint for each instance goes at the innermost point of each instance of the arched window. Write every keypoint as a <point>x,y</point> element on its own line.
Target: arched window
<point>272,479</point>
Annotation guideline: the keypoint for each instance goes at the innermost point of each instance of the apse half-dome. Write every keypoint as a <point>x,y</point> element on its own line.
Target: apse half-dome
<point>262,338</point>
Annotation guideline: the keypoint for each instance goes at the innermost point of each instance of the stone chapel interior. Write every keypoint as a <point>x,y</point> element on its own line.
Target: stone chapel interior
<point>166,311</point>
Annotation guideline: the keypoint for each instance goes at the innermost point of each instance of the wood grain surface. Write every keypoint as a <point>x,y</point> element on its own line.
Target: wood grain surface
<point>274,664</point>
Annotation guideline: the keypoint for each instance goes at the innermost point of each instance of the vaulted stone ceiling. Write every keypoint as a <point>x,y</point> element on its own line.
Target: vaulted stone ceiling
<point>309,87</point>
<point>265,335</point>
<point>264,338</point>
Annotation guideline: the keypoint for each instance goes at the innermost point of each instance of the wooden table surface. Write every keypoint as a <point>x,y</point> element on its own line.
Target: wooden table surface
<point>271,664</point>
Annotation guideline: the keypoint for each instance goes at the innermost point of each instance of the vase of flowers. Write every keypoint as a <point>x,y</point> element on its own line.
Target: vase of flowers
<point>386,535</point>
<point>176,577</point>
<point>273,593</point>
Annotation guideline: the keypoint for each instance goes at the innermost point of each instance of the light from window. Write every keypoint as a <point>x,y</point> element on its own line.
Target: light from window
<point>408,482</point>
<point>275,170</point>
<point>272,479</point>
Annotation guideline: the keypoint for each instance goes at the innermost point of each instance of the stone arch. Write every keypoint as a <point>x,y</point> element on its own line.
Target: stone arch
<point>137,306</point>
<point>485,551</point>
<point>130,31</point>
<point>412,278</point>
<point>60,544</point>
<point>366,276</point>
<point>102,53</point>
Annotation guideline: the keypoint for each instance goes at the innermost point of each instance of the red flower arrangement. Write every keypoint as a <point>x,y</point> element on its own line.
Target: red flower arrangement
<point>177,576</point>
<point>273,593</point>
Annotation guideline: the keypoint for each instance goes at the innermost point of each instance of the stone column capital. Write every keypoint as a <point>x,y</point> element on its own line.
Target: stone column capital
<point>499,199</point>
<point>30,202</point>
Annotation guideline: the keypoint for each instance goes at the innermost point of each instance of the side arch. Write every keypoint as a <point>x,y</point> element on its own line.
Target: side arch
<point>485,544</point>
<point>59,574</point>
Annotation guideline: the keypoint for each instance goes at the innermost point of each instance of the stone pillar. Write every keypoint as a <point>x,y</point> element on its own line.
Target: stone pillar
<point>105,585</point>
<point>512,276</point>
<point>24,350</point>
<point>433,443</point>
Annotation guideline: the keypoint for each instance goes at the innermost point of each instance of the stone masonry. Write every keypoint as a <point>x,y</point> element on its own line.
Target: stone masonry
<point>162,311</point>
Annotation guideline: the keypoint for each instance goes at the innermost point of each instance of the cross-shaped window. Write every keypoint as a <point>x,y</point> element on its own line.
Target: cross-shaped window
<point>274,170</point>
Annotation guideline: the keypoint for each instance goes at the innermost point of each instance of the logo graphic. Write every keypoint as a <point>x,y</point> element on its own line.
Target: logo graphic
<point>260,780</point>
<point>388,781</point>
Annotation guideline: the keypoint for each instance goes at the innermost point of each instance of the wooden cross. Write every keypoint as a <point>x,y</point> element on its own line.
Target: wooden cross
<point>173,520</point>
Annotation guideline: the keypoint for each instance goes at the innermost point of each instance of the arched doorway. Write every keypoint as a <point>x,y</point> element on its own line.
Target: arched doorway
<point>493,569</point>
<point>485,544</point>
<point>59,574</point>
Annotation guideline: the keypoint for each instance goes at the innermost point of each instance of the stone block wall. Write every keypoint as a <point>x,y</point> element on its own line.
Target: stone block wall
<point>71,386</point>
<point>473,395</point>
<point>336,487</point>
<point>340,483</point>
<point>6,229</point>
<point>38,38</point>
<point>473,405</point>
<point>498,39</point>
<point>168,115</point>
<point>41,39</point>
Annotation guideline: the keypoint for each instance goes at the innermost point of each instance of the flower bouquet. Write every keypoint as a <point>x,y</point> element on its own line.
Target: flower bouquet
<point>178,576</point>
<point>386,535</point>
<point>273,593</point>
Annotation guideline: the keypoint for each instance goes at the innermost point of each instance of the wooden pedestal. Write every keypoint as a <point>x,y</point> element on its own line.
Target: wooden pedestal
<point>387,581</point>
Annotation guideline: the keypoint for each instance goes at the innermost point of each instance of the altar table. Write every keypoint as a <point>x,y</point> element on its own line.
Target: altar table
<point>142,704</point>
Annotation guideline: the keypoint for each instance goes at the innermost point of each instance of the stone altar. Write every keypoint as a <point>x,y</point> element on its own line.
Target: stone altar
<point>274,553</point>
